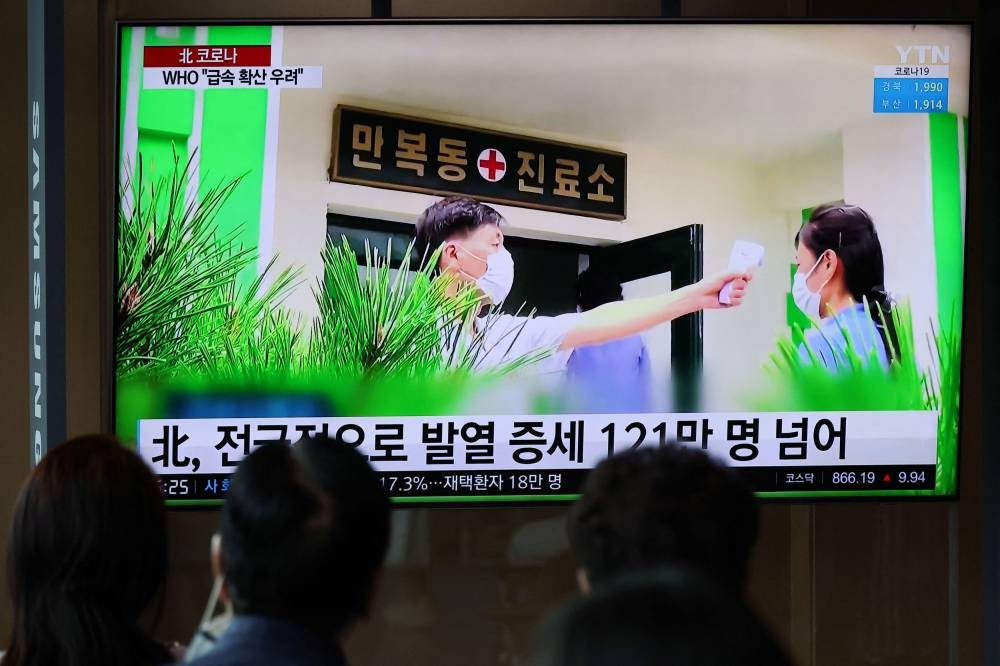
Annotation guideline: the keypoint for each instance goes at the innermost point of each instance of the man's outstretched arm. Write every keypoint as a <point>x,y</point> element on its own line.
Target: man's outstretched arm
<point>613,321</point>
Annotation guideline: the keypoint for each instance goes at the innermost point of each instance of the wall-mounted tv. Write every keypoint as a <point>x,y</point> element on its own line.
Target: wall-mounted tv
<point>489,255</point>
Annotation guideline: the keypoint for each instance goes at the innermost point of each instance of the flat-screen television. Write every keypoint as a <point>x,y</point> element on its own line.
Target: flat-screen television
<point>489,255</point>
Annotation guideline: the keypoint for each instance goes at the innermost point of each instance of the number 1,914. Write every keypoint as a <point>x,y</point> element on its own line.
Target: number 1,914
<point>928,105</point>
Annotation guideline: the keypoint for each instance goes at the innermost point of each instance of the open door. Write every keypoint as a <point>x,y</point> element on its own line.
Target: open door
<point>671,259</point>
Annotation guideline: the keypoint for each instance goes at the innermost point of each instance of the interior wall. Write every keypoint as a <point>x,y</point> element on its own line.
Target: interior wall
<point>906,230</point>
<point>808,178</point>
<point>866,583</point>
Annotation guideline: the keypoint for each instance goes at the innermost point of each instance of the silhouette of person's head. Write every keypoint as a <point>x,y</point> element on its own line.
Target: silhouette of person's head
<point>652,507</point>
<point>595,287</point>
<point>304,532</point>
<point>670,616</point>
<point>86,555</point>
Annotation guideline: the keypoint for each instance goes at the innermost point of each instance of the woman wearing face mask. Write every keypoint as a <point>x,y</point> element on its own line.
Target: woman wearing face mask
<point>840,285</point>
<point>470,238</point>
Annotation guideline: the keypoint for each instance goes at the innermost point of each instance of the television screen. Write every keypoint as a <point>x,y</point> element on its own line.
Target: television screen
<point>490,255</point>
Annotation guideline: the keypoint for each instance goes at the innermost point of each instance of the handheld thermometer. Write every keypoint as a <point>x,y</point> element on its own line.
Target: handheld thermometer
<point>745,255</point>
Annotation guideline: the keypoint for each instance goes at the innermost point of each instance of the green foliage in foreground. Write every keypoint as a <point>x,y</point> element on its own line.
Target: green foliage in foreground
<point>382,341</point>
<point>793,383</point>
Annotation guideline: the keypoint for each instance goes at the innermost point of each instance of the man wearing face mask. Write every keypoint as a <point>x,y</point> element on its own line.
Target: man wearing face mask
<point>839,285</point>
<point>470,237</point>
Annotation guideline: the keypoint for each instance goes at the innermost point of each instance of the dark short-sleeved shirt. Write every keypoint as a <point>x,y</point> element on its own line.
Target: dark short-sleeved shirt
<point>252,639</point>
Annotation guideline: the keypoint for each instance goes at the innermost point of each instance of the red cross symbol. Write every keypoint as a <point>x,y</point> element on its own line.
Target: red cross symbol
<point>492,165</point>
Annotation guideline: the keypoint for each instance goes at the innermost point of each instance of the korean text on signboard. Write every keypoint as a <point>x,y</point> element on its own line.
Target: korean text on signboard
<point>397,152</point>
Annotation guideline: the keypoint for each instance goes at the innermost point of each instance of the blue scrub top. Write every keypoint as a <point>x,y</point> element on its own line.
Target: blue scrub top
<point>611,378</point>
<point>864,336</point>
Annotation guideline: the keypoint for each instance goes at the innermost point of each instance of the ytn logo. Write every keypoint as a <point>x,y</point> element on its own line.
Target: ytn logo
<point>938,54</point>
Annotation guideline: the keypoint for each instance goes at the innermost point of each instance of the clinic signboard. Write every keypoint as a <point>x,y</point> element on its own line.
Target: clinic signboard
<point>398,152</point>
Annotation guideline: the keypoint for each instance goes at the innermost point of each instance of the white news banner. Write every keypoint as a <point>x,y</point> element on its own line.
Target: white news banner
<point>408,444</point>
<point>223,78</point>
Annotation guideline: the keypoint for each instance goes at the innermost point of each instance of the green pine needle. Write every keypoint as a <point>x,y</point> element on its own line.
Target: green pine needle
<point>185,324</point>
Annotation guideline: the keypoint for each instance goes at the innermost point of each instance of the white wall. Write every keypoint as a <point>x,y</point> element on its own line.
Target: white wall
<point>807,179</point>
<point>804,180</point>
<point>887,172</point>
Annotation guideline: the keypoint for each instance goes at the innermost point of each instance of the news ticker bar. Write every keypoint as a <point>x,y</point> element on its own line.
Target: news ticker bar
<point>442,485</point>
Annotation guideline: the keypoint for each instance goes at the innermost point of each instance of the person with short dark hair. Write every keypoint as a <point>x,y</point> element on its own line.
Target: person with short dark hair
<point>653,507</point>
<point>671,617</point>
<point>470,240</point>
<point>304,532</point>
<point>614,377</point>
<point>86,555</point>
<point>596,286</point>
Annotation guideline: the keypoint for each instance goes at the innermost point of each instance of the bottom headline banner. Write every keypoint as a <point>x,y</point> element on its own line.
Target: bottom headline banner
<point>553,442</point>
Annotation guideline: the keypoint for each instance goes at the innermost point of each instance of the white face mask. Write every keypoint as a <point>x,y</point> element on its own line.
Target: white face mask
<point>807,300</point>
<point>499,276</point>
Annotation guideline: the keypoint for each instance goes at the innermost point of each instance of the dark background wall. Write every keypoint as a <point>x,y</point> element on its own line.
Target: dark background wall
<point>845,583</point>
<point>14,449</point>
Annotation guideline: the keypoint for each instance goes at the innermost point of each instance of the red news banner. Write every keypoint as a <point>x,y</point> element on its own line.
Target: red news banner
<point>202,67</point>
<point>206,56</point>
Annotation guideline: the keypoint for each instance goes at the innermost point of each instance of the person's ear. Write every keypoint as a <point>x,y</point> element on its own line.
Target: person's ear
<point>831,261</point>
<point>219,567</point>
<point>449,256</point>
<point>450,251</point>
<point>583,581</point>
